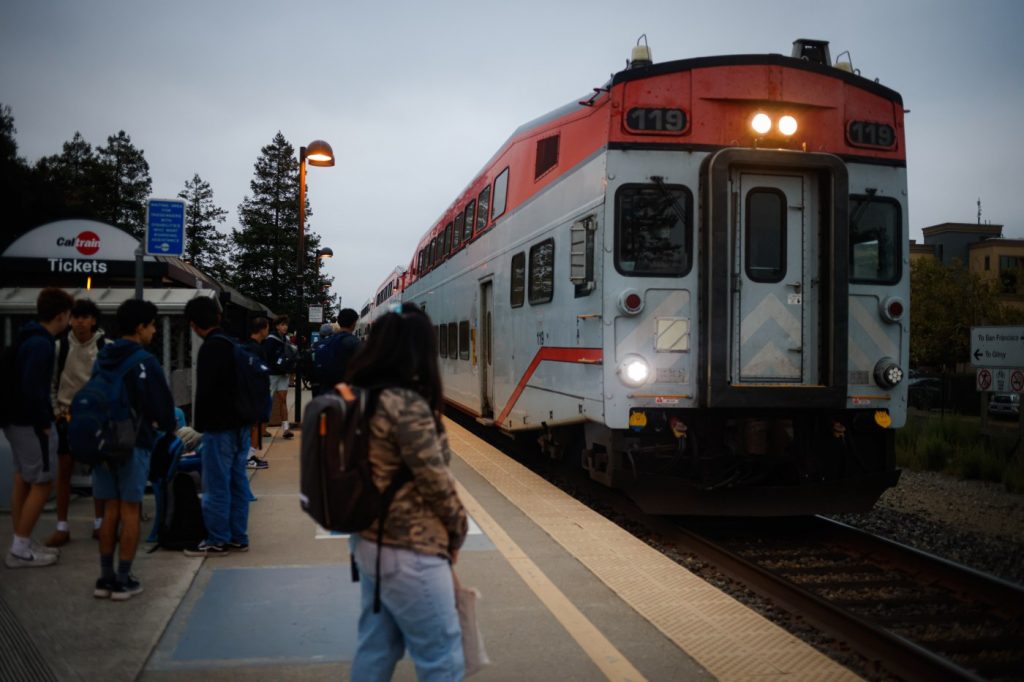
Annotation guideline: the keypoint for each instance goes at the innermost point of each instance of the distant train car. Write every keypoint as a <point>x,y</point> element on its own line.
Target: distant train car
<point>694,282</point>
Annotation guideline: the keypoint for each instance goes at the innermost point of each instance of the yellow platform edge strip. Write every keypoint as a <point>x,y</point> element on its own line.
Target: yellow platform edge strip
<point>665,594</point>
<point>602,652</point>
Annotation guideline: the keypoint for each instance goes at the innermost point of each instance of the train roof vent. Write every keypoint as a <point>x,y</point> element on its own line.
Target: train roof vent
<point>641,54</point>
<point>814,51</point>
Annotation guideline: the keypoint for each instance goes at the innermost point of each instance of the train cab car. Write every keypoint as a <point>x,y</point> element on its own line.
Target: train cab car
<point>693,282</point>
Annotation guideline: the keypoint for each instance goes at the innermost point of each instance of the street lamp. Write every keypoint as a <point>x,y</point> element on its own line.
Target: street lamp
<point>318,153</point>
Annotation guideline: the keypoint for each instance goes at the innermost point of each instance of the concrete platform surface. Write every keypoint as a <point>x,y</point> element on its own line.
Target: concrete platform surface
<point>566,597</point>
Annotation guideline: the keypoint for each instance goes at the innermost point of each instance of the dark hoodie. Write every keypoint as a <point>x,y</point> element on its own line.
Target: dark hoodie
<point>34,370</point>
<point>147,389</point>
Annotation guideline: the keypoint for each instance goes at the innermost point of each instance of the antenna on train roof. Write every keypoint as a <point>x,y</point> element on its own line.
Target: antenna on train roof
<point>641,54</point>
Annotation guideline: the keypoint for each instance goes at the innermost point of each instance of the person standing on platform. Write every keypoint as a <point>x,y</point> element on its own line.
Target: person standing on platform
<point>225,436</point>
<point>426,523</point>
<point>333,357</point>
<point>29,427</point>
<point>278,354</point>
<point>259,329</point>
<point>76,353</point>
<point>121,486</point>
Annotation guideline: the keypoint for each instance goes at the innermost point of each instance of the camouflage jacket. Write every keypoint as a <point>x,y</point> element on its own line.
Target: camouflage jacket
<point>426,515</point>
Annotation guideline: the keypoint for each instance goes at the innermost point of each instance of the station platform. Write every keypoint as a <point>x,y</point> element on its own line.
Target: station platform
<point>566,595</point>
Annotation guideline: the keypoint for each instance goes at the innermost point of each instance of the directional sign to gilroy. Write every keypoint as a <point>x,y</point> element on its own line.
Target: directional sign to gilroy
<point>998,353</point>
<point>997,346</point>
<point>165,227</point>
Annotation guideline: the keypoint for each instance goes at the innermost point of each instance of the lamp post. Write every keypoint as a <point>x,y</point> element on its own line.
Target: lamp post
<point>318,153</point>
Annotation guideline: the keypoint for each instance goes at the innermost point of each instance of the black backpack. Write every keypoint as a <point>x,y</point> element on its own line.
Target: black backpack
<point>181,524</point>
<point>336,481</point>
<point>252,380</point>
<point>285,358</point>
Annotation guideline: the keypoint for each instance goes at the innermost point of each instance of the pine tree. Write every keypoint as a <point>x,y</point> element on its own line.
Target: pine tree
<point>266,245</point>
<point>17,184</point>
<point>124,185</point>
<point>68,182</point>
<point>205,247</point>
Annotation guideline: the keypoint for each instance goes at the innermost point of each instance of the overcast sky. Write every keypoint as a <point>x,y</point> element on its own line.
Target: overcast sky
<point>416,96</point>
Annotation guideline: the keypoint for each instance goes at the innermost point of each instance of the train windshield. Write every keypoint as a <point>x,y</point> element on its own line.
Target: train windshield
<point>653,230</point>
<point>874,239</point>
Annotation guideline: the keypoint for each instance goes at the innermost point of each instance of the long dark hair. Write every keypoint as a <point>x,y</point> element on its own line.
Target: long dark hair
<point>401,351</point>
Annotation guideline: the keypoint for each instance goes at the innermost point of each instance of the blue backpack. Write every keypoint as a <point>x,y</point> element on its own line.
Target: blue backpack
<point>252,378</point>
<point>104,426</point>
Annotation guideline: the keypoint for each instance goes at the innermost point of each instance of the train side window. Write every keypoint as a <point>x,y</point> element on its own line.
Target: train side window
<point>500,194</point>
<point>518,289</point>
<point>464,340</point>
<point>453,340</point>
<point>430,252</point>
<point>581,255</point>
<point>542,272</point>
<point>438,248</point>
<point>653,230</point>
<point>483,206</point>
<point>467,229</point>
<point>446,249</point>
<point>457,233</point>
<point>765,234</point>
<point>437,336</point>
<point>875,239</point>
<point>547,156</point>
<point>442,340</point>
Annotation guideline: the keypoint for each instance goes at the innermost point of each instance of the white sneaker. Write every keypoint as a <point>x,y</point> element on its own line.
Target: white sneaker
<point>32,560</point>
<point>43,549</point>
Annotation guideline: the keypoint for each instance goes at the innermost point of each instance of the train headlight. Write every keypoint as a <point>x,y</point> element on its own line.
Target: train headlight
<point>787,125</point>
<point>761,123</point>
<point>634,370</point>
<point>888,373</point>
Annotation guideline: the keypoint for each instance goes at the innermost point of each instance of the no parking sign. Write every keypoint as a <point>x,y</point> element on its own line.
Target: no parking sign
<point>1017,380</point>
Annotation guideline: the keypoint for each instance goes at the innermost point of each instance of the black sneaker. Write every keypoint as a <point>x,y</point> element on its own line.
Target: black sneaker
<point>207,549</point>
<point>238,546</point>
<point>106,588</point>
<point>126,590</point>
<point>288,435</point>
<point>256,463</point>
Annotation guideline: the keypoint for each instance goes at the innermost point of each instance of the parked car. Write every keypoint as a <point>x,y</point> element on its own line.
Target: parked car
<point>924,393</point>
<point>1004,405</point>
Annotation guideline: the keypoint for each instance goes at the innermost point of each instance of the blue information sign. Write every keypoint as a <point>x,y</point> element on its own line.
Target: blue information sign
<point>165,227</point>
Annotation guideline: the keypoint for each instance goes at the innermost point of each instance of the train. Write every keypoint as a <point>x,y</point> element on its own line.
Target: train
<point>693,283</point>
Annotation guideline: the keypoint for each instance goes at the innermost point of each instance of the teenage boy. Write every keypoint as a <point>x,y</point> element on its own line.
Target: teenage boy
<point>339,350</point>
<point>259,329</point>
<point>276,347</point>
<point>76,352</point>
<point>29,426</point>
<point>122,485</point>
<point>225,436</point>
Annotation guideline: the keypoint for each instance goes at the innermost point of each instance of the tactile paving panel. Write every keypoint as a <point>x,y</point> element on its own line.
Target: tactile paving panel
<point>731,641</point>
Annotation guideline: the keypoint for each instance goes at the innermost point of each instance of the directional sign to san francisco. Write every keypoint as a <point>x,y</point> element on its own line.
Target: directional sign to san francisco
<point>997,346</point>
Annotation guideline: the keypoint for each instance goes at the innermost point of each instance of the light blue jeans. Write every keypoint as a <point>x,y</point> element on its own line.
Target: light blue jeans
<point>417,613</point>
<point>226,485</point>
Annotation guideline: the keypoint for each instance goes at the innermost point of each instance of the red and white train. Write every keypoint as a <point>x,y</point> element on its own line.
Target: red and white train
<point>694,280</point>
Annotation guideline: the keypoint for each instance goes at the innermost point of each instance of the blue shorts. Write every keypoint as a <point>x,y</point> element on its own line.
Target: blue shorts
<point>125,482</point>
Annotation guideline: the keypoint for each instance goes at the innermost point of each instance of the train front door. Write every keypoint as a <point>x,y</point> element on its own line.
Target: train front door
<point>775,319</point>
<point>486,348</point>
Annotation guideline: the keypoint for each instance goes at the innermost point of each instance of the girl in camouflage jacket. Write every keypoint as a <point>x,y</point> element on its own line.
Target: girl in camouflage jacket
<point>426,522</point>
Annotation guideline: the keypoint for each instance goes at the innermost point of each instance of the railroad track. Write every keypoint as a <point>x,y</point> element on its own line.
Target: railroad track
<point>913,614</point>
<point>906,613</point>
